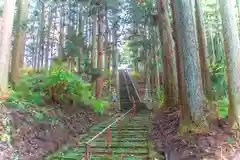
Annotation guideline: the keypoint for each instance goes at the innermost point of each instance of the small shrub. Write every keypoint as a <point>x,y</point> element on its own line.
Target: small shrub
<point>59,86</point>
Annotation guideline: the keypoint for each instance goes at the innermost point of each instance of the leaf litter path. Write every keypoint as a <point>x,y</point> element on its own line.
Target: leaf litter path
<point>36,131</point>
<point>216,144</point>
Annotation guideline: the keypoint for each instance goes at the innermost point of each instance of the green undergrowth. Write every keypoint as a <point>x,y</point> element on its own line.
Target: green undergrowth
<point>159,95</point>
<point>223,107</point>
<point>56,87</point>
<point>42,96</point>
<point>218,79</point>
<point>219,86</point>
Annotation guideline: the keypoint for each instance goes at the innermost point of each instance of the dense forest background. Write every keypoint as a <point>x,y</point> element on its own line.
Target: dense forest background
<point>65,54</point>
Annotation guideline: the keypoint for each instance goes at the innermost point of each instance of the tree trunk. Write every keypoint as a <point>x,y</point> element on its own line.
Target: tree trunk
<point>94,49</point>
<point>94,39</point>
<point>99,82</point>
<point>106,41</point>
<point>81,45</point>
<point>50,17</point>
<point>41,40</point>
<point>115,57</point>
<point>192,83</point>
<point>42,36</point>
<point>37,55</point>
<point>231,48</point>
<point>168,56</point>
<point>206,81</point>
<point>15,64</point>
<point>8,15</point>
<point>61,34</point>
<point>178,63</point>
<point>156,59</point>
<point>23,34</point>
<point>35,52</point>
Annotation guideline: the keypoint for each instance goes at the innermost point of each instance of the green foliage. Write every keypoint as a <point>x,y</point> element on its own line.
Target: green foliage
<point>159,95</point>
<point>223,107</point>
<point>218,78</point>
<point>219,86</point>
<point>57,86</point>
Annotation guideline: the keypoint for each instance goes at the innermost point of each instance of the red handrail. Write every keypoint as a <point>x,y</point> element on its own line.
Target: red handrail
<point>108,129</point>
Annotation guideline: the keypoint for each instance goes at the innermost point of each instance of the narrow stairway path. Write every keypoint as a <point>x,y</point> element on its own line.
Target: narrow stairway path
<point>69,152</point>
<point>128,137</point>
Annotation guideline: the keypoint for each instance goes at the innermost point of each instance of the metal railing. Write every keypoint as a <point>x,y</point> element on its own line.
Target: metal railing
<point>130,78</point>
<point>107,129</point>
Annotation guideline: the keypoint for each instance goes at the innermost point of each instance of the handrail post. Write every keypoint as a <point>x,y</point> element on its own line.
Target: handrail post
<point>86,151</point>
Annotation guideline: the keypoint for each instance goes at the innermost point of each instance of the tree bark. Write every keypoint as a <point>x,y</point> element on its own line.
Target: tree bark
<point>168,56</point>
<point>115,56</point>
<point>156,59</point>
<point>5,43</point>
<point>94,39</point>
<point>61,34</point>
<point>40,54</point>
<point>15,64</point>
<point>99,82</point>
<point>23,34</point>
<point>50,17</point>
<point>106,58</point>
<point>81,45</point>
<point>202,44</point>
<point>177,55</point>
<point>192,82</point>
<point>231,49</point>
